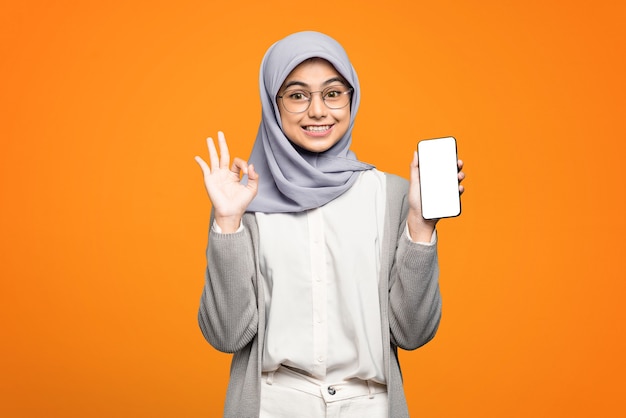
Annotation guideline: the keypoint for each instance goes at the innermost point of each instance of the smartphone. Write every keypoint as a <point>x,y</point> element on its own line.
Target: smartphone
<point>439,182</point>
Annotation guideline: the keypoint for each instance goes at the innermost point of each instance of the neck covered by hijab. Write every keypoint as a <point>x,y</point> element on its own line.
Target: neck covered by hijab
<point>292,179</point>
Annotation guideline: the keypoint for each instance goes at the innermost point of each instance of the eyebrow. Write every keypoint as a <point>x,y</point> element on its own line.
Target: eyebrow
<point>303,84</point>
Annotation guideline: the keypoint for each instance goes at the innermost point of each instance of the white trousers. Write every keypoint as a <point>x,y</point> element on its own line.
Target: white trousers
<point>288,394</point>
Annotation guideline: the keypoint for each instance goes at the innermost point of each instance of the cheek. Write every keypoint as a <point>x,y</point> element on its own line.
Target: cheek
<point>287,122</point>
<point>289,126</point>
<point>344,117</point>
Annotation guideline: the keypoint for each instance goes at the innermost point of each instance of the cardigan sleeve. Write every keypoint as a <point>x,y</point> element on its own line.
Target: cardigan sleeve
<point>228,313</point>
<point>414,296</point>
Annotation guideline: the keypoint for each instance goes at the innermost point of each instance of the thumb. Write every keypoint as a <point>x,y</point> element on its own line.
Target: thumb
<point>414,173</point>
<point>253,178</point>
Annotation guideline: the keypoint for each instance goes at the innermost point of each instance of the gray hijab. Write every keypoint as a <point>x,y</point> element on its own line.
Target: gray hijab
<point>292,179</point>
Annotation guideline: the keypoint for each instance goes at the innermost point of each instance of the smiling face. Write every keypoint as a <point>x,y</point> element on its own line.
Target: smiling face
<point>318,128</point>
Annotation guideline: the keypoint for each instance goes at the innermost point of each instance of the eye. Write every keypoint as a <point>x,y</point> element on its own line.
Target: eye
<point>334,92</point>
<point>297,95</point>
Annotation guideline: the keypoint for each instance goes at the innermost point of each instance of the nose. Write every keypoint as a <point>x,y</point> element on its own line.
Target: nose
<point>317,108</point>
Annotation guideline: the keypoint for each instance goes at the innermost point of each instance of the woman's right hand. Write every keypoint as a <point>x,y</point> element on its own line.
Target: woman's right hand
<point>228,196</point>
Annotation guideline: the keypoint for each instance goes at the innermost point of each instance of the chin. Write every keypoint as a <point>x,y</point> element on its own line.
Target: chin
<point>316,146</point>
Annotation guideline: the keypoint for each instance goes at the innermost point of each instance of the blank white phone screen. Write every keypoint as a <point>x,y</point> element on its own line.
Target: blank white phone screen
<point>439,183</point>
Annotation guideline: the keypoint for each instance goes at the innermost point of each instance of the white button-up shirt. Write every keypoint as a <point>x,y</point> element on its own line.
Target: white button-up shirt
<point>320,269</point>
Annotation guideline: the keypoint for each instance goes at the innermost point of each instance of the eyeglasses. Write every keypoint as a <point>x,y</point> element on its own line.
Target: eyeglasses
<point>298,100</point>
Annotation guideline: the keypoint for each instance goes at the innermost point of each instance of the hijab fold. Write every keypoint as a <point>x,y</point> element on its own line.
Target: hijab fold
<point>292,179</point>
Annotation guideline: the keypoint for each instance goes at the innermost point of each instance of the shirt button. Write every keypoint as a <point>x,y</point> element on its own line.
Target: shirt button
<point>331,390</point>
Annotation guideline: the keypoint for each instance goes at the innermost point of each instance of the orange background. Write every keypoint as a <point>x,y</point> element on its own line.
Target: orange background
<point>104,216</point>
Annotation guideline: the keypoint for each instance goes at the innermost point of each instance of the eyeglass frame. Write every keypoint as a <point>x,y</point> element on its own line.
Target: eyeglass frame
<point>310,99</point>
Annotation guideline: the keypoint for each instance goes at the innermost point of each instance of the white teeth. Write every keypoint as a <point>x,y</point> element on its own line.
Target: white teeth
<point>317,128</point>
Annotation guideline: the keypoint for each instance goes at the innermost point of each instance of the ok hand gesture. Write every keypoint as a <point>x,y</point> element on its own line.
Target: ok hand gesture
<point>228,196</point>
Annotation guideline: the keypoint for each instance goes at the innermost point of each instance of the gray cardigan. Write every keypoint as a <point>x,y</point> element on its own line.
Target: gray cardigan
<point>232,308</point>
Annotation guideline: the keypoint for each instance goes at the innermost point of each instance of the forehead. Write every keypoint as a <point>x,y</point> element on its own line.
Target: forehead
<point>312,71</point>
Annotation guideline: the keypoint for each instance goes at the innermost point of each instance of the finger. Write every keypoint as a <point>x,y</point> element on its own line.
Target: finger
<point>203,165</point>
<point>461,189</point>
<point>224,154</point>
<point>253,178</point>
<point>461,176</point>
<point>460,163</point>
<point>212,154</point>
<point>239,166</point>
<point>252,173</point>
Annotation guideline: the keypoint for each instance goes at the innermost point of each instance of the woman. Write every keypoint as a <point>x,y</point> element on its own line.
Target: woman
<point>319,265</point>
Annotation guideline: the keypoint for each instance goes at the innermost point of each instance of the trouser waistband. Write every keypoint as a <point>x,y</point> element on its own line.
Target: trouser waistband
<point>330,392</point>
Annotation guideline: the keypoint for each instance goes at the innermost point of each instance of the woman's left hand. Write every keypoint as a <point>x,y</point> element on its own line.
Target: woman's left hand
<point>422,229</point>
